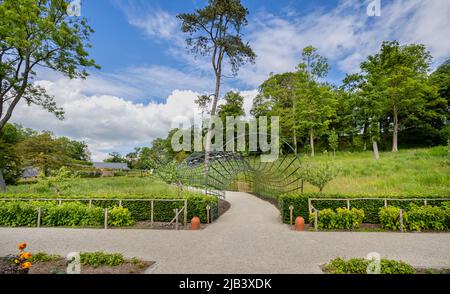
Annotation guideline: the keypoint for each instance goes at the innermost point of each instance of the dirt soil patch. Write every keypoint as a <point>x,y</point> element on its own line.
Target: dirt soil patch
<point>60,267</point>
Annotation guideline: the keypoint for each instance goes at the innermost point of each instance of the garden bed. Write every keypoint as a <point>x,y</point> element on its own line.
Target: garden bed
<point>98,263</point>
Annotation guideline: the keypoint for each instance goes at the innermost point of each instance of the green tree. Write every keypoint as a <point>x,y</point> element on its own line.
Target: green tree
<point>10,164</point>
<point>115,157</point>
<point>203,102</point>
<point>333,141</point>
<point>233,106</point>
<point>216,31</point>
<point>316,101</point>
<point>38,33</point>
<point>45,152</point>
<point>397,77</point>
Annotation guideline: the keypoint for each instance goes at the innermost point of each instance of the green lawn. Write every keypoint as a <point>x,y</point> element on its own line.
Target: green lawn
<point>131,187</point>
<point>411,171</point>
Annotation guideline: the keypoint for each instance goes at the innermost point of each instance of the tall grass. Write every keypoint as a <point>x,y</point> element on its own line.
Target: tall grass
<point>412,171</point>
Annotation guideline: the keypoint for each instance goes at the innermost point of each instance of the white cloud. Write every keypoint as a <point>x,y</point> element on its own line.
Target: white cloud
<point>107,123</point>
<point>345,34</point>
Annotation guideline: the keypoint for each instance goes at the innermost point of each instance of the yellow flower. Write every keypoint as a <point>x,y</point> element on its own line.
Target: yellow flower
<point>16,261</point>
<point>25,255</point>
<point>26,265</point>
<point>22,246</point>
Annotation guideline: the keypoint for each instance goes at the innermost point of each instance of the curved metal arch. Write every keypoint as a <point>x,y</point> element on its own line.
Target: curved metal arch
<point>225,167</point>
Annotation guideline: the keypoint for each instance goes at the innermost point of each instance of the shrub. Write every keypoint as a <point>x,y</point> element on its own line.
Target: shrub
<point>318,175</point>
<point>343,218</point>
<point>427,218</point>
<point>371,207</point>
<point>359,266</point>
<point>349,218</point>
<point>73,214</point>
<point>43,257</point>
<point>18,214</point>
<point>120,217</point>
<point>97,259</point>
<point>390,218</point>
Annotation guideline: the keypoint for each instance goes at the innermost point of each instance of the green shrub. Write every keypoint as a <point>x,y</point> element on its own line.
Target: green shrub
<point>343,218</point>
<point>427,218</point>
<point>359,266</point>
<point>371,207</point>
<point>18,214</point>
<point>97,259</point>
<point>390,218</point>
<point>73,214</point>
<point>43,257</point>
<point>318,175</point>
<point>120,217</point>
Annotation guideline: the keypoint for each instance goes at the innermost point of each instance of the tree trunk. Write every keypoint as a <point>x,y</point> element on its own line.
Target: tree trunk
<point>311,141</point>
<point>376,155</point>
<point>2,183</point>
<point>395,132</point>
<point>295,142</point>
<point>209,133</point>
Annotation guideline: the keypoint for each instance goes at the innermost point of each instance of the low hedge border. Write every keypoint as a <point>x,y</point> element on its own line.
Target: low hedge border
<point>139,210</point>
<point>370,207</point>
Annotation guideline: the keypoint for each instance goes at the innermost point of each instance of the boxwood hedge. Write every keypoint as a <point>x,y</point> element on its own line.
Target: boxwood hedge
<point>371,207</point>
<point>70,213</point>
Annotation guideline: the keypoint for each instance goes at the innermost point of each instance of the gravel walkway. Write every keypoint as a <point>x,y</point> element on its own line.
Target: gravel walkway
<point>249,238</point>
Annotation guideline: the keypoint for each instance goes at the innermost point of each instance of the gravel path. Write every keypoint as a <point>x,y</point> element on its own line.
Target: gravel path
<point>249,238</point>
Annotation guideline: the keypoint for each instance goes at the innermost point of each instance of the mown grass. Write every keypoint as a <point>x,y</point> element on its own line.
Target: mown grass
<point>412,171</point>
<point>115,186</point>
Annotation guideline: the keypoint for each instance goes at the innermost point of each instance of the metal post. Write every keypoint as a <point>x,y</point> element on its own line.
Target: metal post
<point>207,213</point>
<point>309,206</point>
<point>185,213</point>
<point>90,203</point>
<point>291,208</point>
<point>60,202</point>
<point>176,218</point>
<point>120,203</point>
<point>425,202</point>
<point>348,204</point>
<point>385,203</point>
<point>151,213</point>
<point>106,218</point>
<point>401,220</point>
<point>39,217</point>
<point>315,220</point>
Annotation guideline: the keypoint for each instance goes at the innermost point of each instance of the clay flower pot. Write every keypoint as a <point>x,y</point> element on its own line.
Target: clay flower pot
<point>299,224</point>
<point>195,223</point>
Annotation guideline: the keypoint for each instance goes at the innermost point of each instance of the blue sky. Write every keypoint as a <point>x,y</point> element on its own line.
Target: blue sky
<point>148,78</point>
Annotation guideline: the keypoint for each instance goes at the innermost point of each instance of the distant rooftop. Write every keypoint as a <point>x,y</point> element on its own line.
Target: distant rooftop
<point>111,165</point>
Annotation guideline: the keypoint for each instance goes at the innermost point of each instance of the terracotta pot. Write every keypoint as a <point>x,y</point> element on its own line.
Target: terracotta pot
<point>195,223</point>
<point>299,224</point>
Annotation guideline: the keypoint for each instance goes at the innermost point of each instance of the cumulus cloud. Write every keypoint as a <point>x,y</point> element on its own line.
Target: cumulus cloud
<point>345,34</point>
<point>106,122</point>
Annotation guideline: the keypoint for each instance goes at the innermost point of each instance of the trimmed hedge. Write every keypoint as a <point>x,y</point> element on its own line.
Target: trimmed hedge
<point>416,218</point>
<point>342,218</point>
<point>69,214</point>
<point>370,207</point>
<point>359,266</point>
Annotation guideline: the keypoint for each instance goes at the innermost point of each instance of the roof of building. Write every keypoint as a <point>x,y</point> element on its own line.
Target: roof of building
<point>30,172</point>
<point>111,165</point>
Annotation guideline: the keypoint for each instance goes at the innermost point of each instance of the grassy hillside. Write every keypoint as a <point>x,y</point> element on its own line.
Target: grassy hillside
<point>412,171</point>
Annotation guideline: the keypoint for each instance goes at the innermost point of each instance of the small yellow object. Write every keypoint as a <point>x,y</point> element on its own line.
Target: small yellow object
<point>16,261</point>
